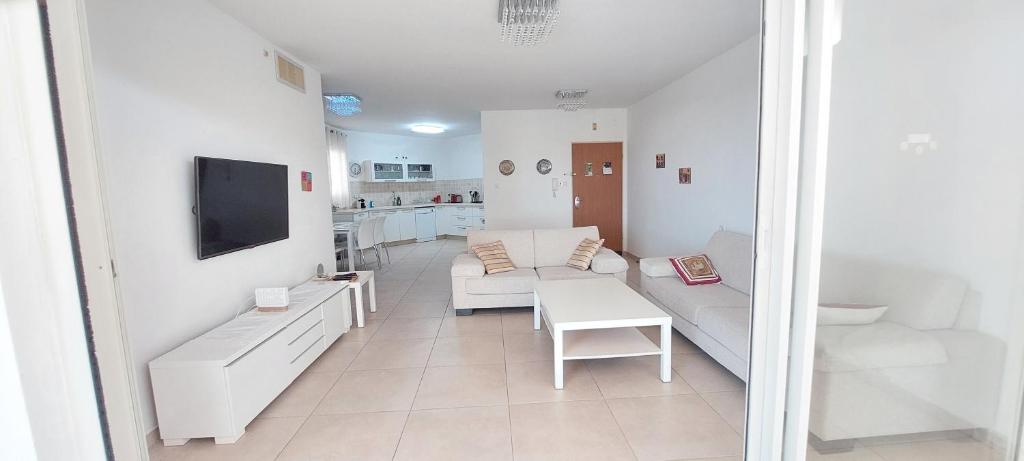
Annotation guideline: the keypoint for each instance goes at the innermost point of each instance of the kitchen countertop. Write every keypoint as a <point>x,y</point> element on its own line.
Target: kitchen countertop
<point>405,207</point>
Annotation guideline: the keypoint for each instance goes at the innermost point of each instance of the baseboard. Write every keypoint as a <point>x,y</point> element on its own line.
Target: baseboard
<point>630,256</point>
<point>153,437</point>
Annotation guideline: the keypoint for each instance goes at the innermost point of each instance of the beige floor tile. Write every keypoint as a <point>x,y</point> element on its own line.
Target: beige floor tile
<point>403,328</point>
<point>355,437</point>
<point>939,450</point>
<point>302,396</point>
<point>419,309</point>
<point>470,325</point>
<point>338,357</point>
<point>419,295</point>
<point>567,430</point>
<point>674,427</point>
<point>533,382</point>
<point>724,458</point>
<point>680,345</point>
<point>462,386</point>
<point>634,377</point>
<point>705,374</point>
<point>362,335</point>
<point>857,454</point>
<point>731,405</point>
<point>263,440</point>
<point>466,350</point>
<point>531,347</point>
<point>471,434</point>
<point>379,355</point>
<point>518,322</point>
<point>383,312</point>
<point>372,390</point>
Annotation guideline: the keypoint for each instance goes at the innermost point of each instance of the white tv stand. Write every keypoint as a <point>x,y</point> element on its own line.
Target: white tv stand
<point>216,384</point>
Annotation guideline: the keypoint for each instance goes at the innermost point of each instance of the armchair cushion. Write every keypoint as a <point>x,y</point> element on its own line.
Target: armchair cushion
<point>467,265</point>
<point>657,267</point>
<point>608,262</point>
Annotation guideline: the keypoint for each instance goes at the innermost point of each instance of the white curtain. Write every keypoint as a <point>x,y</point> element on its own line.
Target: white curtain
<point>338,157</point>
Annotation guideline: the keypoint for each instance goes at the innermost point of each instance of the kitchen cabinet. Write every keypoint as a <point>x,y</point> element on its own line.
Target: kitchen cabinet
<point>444,217</point>
<point>392,231</point>
<point>407,224</point>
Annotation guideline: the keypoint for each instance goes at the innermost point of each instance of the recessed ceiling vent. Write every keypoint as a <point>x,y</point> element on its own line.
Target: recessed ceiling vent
<point>571,100</point>
<point>289,72</point>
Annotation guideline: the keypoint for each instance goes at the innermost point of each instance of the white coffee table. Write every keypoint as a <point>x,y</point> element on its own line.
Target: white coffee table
<point>365,278</point>
<point>596,319</point>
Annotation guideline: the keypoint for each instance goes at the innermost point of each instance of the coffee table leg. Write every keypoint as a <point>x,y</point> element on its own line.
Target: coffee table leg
<point>536,311</point>
<point>373,295</point>
<point>559,361</point>
<point>666,353</point>
<point>359,306</point>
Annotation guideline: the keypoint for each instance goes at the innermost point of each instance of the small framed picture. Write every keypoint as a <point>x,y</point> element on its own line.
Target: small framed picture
<point>685,176</point>
<point>307,181</point>
<point>659,161</point>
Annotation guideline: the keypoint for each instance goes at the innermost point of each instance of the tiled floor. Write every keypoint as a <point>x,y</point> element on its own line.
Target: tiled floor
<point>418,383</point>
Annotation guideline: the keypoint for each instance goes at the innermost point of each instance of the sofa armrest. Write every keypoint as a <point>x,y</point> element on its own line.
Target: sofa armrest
<point>657,267</point>
<point>467,265</point>
<point>608,262</point>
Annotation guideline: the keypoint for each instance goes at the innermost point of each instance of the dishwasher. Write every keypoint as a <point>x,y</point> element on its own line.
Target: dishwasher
<point>426,224</point>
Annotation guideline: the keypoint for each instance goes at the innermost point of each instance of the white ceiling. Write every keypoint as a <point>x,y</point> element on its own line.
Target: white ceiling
<point>442,61</point>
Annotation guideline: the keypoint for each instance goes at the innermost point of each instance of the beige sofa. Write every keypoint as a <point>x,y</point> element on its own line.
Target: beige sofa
<point>906,373</point>
<point>537,254</point>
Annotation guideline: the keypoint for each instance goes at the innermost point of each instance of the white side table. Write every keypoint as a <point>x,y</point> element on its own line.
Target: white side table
<point>365,278</point>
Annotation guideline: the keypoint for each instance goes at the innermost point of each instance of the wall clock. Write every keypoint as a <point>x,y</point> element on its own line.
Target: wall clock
<point>506,167</point>
<point>354,170</point>
<point>544,166</point>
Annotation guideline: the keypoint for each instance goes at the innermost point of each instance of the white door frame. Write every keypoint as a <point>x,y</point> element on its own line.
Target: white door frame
<point>73,71</point>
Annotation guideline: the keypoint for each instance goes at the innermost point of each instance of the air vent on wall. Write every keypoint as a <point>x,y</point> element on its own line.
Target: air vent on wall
<point>290,73</point>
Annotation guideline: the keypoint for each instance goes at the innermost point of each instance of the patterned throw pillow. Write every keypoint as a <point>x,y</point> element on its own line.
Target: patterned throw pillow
<point>696,270</point>
<point>494,256</point>
<point>584,254</point>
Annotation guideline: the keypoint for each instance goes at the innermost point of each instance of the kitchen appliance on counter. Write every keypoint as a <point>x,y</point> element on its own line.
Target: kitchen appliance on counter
<point>454,198</point>
<point>436,199</point>
<point>474,197</point>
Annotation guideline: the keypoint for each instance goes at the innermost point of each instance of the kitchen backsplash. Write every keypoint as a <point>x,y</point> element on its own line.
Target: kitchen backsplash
<point>413,192</point>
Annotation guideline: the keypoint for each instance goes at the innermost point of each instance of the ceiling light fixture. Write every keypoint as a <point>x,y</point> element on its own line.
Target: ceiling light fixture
<point>344,104</point>
<point>427,129</point>
<point>571,100</point>
<point>527,22</point>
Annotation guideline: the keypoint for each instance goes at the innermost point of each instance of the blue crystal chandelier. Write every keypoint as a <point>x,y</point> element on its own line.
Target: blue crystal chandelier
<point>345,105</point>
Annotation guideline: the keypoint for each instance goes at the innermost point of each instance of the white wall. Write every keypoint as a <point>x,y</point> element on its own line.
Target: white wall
<point>940,67</point>
<point>523,200</point>
<point>453,158</point>
<point>706,120</point>
<point>179,79</point>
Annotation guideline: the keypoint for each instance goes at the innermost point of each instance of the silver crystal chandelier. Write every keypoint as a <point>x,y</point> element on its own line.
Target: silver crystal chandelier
<point>344,104</point>
<point>527,22</point>
<point>571,100</point>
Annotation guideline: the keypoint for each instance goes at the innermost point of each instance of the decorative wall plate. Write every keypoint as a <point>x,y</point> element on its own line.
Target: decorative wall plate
<point>544,166</point>
<point>354,170</point>
<point>506,167</point>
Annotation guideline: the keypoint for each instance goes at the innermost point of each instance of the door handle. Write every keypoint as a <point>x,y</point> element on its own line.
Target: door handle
<point>577,202</point>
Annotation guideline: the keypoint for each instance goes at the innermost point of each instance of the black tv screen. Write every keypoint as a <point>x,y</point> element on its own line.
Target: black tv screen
<point>239,204</point>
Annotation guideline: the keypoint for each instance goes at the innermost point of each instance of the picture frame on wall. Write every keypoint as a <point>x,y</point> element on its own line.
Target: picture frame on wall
<point>685,176</point>
<point>659,161</point>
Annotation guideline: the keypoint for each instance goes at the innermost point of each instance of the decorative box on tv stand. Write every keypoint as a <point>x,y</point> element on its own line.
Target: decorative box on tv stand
<point>271,299</point>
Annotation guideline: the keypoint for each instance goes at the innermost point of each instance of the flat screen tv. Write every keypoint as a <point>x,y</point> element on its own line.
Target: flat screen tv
<point>239,204</point>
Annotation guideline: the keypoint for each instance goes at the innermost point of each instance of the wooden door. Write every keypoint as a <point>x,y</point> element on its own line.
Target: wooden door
<point>597,189</point>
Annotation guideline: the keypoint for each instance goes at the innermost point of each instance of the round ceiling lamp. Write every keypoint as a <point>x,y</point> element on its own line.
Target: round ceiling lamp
<point>427,128</point>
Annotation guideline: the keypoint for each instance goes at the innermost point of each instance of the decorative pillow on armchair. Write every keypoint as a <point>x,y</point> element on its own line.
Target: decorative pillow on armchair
<point>696,270</point>
<point>584,254</point>
<point>494,257</point>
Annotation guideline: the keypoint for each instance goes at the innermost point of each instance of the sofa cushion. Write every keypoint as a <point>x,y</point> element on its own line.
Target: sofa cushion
<point>584,254</point>
<point>917,298</point>
<point>878,345</point>
<point>696,270</point>
<point>729,326</point>
<point>687,300</point>
<point>494,257</point>
<point>467,265</point>
<point>513,282</point>
<point>608,262</point>
<point>566,273</point>
<point>733,255</point>
<point>553,247</point>
<point>657,267</point>
<point>518,244</point>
